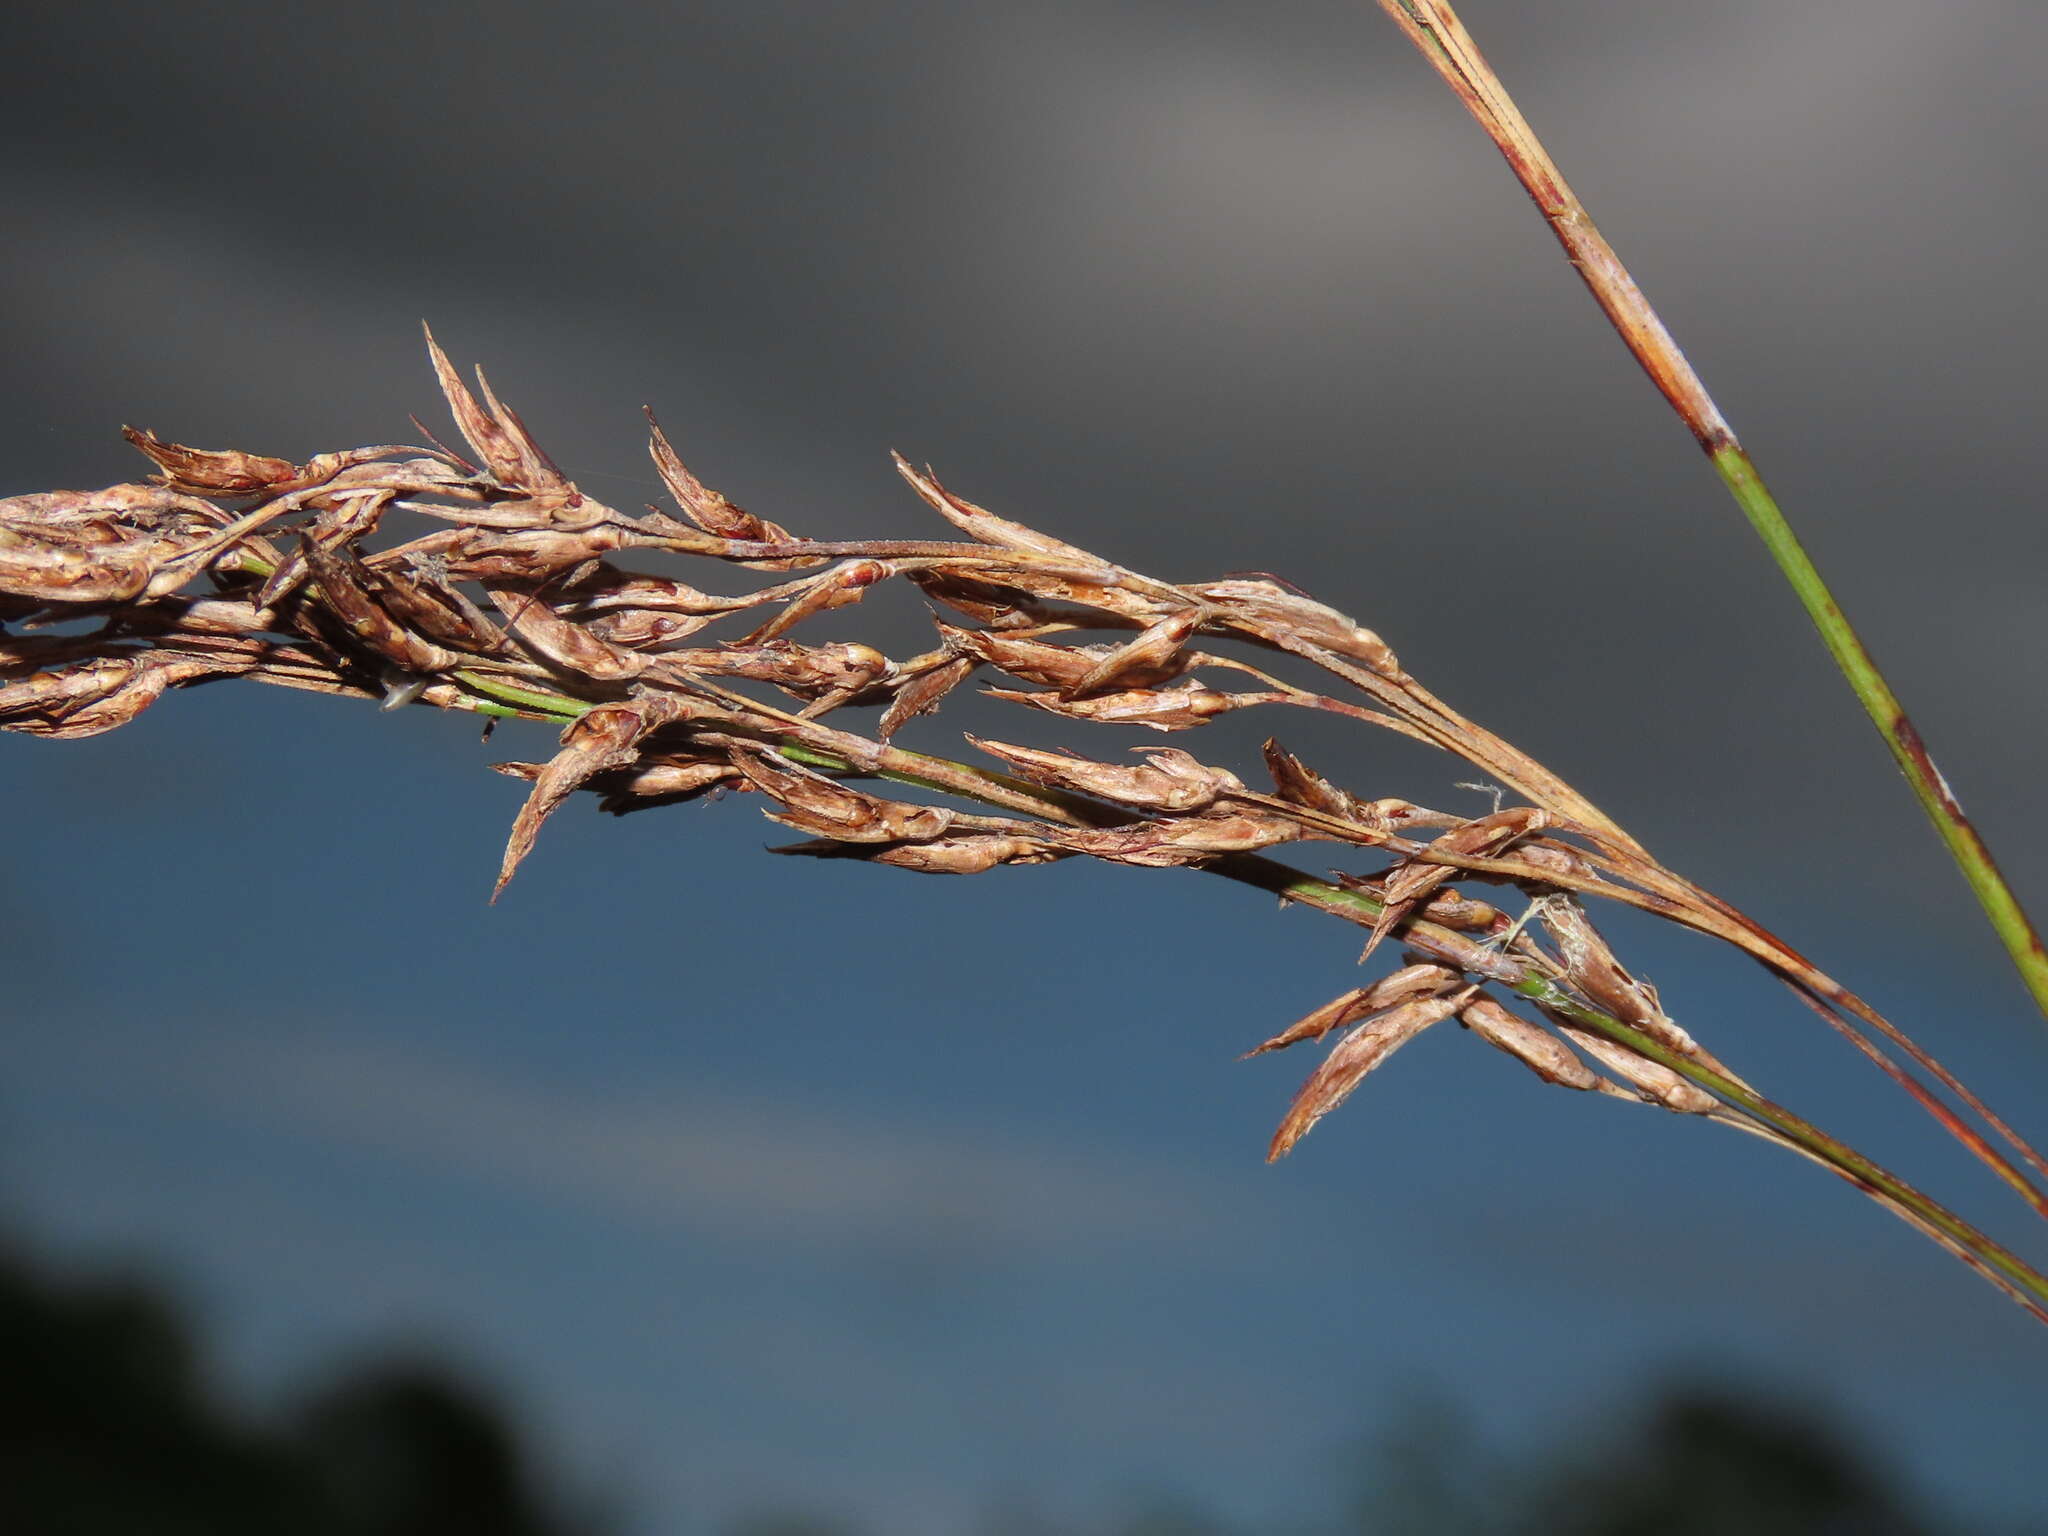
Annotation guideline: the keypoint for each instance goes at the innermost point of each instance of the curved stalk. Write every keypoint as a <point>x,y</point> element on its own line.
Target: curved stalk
<point>2011,1274</point>
<point>1998,1264</point>
<point>1434,28</point>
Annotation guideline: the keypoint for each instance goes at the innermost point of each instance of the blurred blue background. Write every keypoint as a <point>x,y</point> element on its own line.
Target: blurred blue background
<point>756,1182</point>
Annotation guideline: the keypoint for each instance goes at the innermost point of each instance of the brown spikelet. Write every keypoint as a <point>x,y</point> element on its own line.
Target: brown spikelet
<point>979,522</point>
<point>199,472</point>
<point>1532,1045</point>
<point>1151,653</point>
<point>498,587</point>
<point>602,739</point>
<point>710,510</point>
<point>1348,1063</point>
<point>1404,985</point>
<point>497,437</point>
<point>1169,780</point>
<point>923,693</point>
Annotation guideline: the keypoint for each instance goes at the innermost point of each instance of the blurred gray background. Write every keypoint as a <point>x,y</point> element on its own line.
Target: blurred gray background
<point>748,1178</point>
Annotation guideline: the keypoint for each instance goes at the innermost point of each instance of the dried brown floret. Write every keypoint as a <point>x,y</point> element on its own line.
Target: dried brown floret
<point>228,473</point>
<point>180,589</point>
<point>1179,708</point>
<point>922,691</point>
<point>1156,651</point>
<point>1529,1043</point>
<point>1185,840</point>
<point>1170,780</point>
<point>970,853</point>
<point>1410,883</point>
<point>602,739</point>
<point>1357,1054</point>
<point>1405,985</point>
<point>498,437</point>
<point>807,671</point>
<point>1294,780</point>
<point>711,511</point>
<point>810,802</point>
<point>107,692</point>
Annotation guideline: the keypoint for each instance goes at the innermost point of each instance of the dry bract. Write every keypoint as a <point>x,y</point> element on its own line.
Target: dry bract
<point>1405,985</point>
<point>1351,1059</point>
<point>1406,886</point>
<point>1529,1043</point>
<point>711,511</point>
<point>1170,780</point>
<point>94,696</point>
<point>530,600</point>
<point>1179,708</point>
<point>969,855</point>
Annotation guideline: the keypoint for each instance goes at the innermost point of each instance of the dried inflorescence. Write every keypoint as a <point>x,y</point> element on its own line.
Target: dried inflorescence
<point>530,600</point>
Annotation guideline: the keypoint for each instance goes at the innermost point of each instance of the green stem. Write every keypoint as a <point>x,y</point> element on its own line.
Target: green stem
<point>2028,1284</point>
<point>1268,874</point>
<point>1433,26</point>
<point>1965,844</point>
<point>527,701</point>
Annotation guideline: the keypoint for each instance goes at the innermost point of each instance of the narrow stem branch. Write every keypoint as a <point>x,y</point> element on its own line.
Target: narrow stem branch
<point>1965,844</point>
<point>2013,1274</point>
<point>1999,1265</point>
<point>2004,1268</point>
<point>1434,28</point>
<point>946,776</point>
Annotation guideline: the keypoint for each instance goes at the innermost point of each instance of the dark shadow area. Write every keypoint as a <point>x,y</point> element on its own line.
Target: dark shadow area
<point>110,1426</point>
<point>1689,1459</point>
<point>1709,1461</point>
